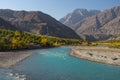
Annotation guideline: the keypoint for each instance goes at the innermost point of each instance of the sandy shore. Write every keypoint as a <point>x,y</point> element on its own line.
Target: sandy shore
<point>8,59</point>
<point>98,54</point>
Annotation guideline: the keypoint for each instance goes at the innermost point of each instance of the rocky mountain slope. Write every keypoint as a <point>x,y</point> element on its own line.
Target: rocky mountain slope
<point>102,26</point>
<point>37,22</point>
<point>117,37</point>
<point>6,25</point>
<point>77,15</point>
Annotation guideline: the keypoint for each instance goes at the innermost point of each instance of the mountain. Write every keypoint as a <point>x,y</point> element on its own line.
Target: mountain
<point>37,22</point>
<point>101,26</point>
<point>6,25</point>
<point>77,15</point>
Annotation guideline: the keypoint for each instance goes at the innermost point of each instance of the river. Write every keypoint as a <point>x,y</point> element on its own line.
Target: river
<point>57,64</point>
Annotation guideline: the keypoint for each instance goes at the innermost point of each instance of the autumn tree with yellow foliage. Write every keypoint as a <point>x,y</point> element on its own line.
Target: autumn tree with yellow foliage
<point>10,40</point>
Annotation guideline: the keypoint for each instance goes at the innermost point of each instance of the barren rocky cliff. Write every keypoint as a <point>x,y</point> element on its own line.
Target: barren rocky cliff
<point>101,26</point>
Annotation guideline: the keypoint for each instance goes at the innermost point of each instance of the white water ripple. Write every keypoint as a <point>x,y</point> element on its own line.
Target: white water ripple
<point>11,76</point>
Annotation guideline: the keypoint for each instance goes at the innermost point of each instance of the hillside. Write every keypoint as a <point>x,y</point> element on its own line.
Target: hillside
<point>6,25</point>
<point>117,37</point>
<point>15,40</point>
<point>102,26</point>
<point>37,22</point>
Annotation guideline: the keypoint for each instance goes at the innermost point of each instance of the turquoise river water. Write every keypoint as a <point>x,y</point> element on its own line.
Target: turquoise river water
<point>57,64</point>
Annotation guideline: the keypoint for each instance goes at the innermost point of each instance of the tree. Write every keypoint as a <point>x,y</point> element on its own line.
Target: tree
<point>16,43</point>
<point>2,43</point>
<point>17,33</point>
<point>44,41</point>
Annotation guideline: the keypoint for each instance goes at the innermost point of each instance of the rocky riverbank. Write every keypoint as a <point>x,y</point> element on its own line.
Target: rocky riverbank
<point>98,54</point>
<point>8,59</point>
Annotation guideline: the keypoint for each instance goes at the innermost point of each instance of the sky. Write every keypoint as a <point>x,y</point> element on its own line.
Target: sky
<point>57,8</point>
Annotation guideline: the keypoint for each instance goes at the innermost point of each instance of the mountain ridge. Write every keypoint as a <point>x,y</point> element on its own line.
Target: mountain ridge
<point>77,15</point>
<point>37,22</point>
<point>101,26</point>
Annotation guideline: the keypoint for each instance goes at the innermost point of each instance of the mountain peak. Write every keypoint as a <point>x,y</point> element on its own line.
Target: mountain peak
<point>80,9</point>
<point>77,15</point>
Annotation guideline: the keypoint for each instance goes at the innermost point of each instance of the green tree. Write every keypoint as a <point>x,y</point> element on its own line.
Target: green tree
<point>17,33</point>
<point>2,43</point>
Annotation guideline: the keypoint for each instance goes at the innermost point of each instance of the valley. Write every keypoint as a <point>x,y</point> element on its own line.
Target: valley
<point>81,45</point>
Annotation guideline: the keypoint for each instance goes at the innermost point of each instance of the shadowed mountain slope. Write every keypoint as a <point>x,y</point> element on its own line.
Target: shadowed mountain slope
<point>37,22</point>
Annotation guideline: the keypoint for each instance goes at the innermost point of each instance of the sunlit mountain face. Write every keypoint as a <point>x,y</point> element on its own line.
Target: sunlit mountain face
<point>100,26</point>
